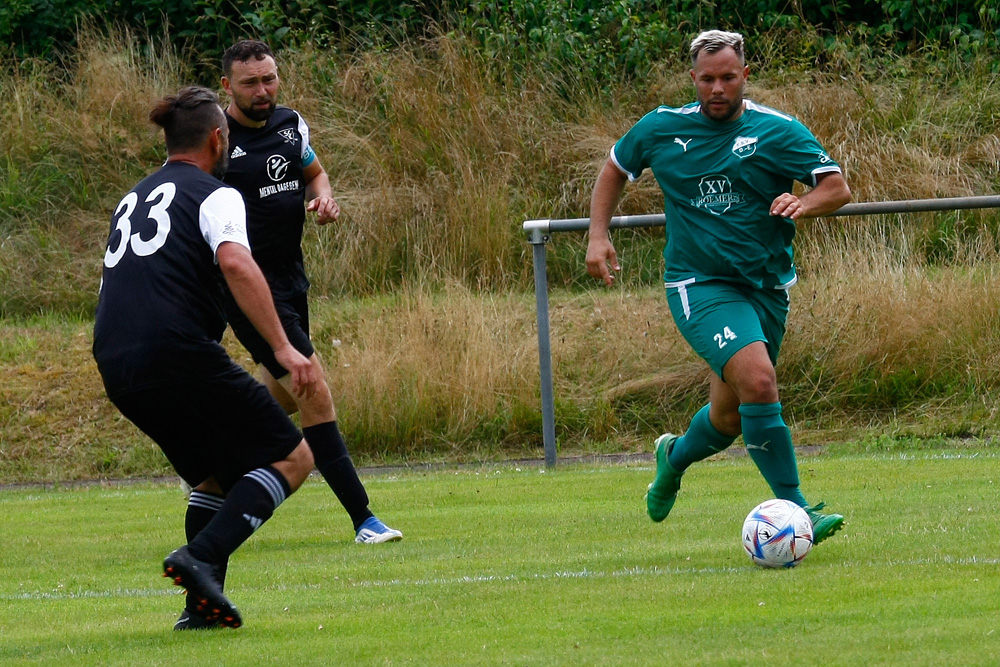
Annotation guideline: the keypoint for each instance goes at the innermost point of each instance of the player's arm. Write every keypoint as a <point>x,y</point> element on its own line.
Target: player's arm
<point>319,193</point>
<point>253,296</point>
<point>603,201</point>
<point>831,192</point>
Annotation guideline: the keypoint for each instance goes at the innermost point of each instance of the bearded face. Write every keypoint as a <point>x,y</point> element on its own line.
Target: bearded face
<point>253,87</point>
<point>719,79</point>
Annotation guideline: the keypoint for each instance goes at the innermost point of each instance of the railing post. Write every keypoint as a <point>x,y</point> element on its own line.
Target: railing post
<point>538,237</point>
<point>539,232</point>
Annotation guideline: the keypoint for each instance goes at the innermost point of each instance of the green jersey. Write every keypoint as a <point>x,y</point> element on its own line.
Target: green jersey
<point>718,181</point>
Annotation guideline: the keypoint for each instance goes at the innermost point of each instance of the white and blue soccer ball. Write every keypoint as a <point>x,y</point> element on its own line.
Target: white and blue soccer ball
<point>777,533</point>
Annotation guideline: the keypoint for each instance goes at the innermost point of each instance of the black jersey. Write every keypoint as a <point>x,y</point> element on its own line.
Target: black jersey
<point>265,165</point>
<point>159,316</point>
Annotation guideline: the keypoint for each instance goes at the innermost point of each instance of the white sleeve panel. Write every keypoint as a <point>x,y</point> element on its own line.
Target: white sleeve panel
<point>304,132</point>
<point>223,217</point>
<point>623,170</point>
<point>831,169</point>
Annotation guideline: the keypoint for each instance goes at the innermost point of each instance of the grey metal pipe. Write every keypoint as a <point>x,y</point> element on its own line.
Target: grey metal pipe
<point>861,208</point>
<point>538,232</point>
<point>538,251</point>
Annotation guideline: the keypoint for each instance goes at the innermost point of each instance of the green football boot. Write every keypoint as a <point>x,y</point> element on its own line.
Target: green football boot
<point>663,491</point>
<point>824,525</point>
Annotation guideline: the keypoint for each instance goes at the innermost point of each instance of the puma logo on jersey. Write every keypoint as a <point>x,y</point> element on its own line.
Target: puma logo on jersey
<point>237,152</point>
<point>684,144</point>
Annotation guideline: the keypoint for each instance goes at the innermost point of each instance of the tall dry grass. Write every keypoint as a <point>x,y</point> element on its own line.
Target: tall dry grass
<point>890,349</point>
<point>75,138</point>
<point>879,331</point>
<point>435,161</point>
<point>450,372</point>
<point>436,153</point>
<point>437,156</point>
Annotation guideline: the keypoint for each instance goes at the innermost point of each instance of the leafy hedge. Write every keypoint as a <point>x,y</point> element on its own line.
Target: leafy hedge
<point>46,27</point>
<point>613,38</point>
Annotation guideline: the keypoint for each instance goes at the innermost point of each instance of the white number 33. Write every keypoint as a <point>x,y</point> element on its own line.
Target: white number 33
<point>160,198</point>
<point>723,338</point>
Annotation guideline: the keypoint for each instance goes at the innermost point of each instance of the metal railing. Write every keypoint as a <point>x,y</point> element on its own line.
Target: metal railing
<point>539,233</point>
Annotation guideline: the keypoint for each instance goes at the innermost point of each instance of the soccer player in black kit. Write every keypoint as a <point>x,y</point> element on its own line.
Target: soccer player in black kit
<point>156,342</point>
<point>272,164</point>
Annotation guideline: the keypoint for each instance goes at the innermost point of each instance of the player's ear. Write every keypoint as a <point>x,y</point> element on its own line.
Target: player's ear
<point>215,140</point>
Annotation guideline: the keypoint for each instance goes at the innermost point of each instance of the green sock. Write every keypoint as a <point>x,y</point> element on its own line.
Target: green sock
<point>700,441</point>
<point>769,444</point>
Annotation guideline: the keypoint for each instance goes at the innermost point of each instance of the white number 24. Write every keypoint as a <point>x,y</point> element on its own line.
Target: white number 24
<point>723,338</point>
<point>157,212</point>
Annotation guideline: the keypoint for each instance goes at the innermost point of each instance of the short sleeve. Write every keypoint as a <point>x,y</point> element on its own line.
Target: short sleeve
<point>307,154</point>
<point>804,156</point>
<point>628,152</point>
<point>223,217</point>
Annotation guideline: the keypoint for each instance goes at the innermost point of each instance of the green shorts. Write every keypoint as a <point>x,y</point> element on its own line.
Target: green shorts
<point>718,318</point>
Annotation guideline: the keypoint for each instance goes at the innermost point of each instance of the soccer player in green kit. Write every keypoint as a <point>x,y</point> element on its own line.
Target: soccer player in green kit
<point>726,167</point>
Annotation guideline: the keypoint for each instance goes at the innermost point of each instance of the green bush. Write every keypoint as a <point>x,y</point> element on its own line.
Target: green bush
<point>605,38</point>
<point>48,27</point>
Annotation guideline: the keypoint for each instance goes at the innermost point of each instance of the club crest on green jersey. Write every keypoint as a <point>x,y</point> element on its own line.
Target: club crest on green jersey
<point>744,146</point>
<point>717,194</point>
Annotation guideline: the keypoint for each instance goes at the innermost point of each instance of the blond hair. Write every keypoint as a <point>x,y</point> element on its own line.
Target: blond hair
<point>712,41</point>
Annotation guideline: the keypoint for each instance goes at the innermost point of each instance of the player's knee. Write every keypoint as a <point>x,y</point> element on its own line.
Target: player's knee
<point>297,466</point>
<point>317,407</point>
<point>759,387</point>
<point>304,457</point>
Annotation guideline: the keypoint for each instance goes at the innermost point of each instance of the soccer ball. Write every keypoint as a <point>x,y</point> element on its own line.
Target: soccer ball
<point>777,533</point>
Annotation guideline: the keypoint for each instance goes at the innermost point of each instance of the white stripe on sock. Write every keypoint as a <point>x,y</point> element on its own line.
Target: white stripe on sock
<point>205,501</point>
<point>266,478</point>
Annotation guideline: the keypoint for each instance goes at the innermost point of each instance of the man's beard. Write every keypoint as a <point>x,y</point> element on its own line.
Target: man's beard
<point>732,110</point>
<point>259,115</point>
<point>220,166</point>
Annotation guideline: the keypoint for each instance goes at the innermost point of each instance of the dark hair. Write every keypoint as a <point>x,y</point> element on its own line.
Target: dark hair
<point>242,51</point>
<point>188,117</point>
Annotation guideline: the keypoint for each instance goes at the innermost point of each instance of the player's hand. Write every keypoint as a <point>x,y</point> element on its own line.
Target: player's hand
<point>602,260</point>
<point>326,208</point>
<point>305,376</point>
<point>787,205</point>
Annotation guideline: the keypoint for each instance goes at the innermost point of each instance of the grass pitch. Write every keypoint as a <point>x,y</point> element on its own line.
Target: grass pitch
<point>512,565</point>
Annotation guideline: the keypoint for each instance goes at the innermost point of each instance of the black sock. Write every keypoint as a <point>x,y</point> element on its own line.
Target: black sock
<point>202,508</point>
<point>337,468</point>
<point>250,503</point>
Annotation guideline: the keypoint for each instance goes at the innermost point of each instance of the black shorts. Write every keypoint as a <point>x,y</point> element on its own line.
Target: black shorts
<point>293,310</point>
<point>222,426</point>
